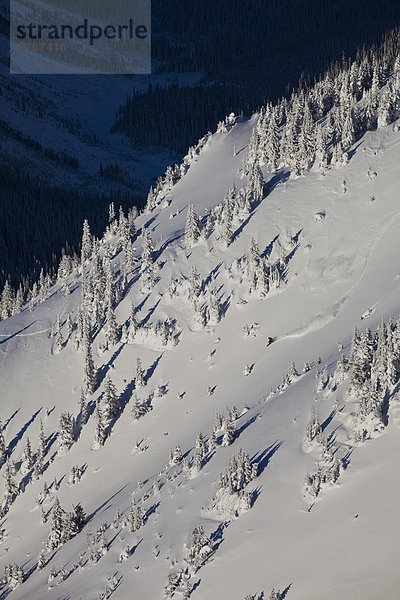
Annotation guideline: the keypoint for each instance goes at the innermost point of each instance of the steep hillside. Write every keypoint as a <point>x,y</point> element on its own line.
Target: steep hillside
<point>301,260</point>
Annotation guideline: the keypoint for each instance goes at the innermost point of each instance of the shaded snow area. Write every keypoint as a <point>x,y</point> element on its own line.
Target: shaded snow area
<point>211,461</point>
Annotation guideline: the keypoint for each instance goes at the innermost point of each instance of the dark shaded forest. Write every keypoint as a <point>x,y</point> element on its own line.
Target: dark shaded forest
<point>250,52</point>
<point>37,221</point>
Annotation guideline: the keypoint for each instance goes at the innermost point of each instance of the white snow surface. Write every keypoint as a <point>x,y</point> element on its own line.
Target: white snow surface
<point>343,267</point>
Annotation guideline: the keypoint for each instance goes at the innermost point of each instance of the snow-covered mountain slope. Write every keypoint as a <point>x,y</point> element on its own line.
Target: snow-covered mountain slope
<point>340,270</point>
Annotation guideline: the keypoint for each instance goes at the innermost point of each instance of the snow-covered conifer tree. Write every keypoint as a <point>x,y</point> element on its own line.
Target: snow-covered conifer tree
<point>361,356</point>
<point>195,284</point>
<point>66,433</point>
<point>100,435</point>
<point>229,432</point>
<point>193,227</point>
<point>348,132</point>
<point>83,410</point>
<point>140,380</point>
<point>56,534</point>
<point>140,407</point>
<point>175,456</point>
<point>27,460</point>
<point>200,452</point>
<point>212,442</point>
<point>40,454</point>
<point>90,372</point>
<point>171,585</point>
<point>86,247</point>
<point>199,549</point>
<point>7,301</point>
<point>112,333</point>
<point>313,428</point>
<point>111,405</point>
<point>215,309</point>
<point>124,554</point>
<point>11,489</point>
<point>133,325</point>
<point>13,576</point>
<point>76,521</point>
<point>135,517</point>
<point>148,250</point>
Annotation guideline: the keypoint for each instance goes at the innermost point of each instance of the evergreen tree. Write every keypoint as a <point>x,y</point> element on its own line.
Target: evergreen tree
<point>133,325</point>
<point>13,576</point>
<point>40,454</point>
<point>175,456</point>
<point>313,428</point>
<point>135,517</point>
<point>140,407</point>
<point>27,460</point>
<point>348,132</point>
<point>11,489</point>
<point>193,227</point>
<point>229,432</point>
<point>90,372</point>
<point>199,548</point>
<point>7,301</point>
<point>66,435</point>
<point>226,229</point>
<point>195,284</point>
<point>100,435</point>
<point>86,247</point>
<point>111,405</point>
<point>124,554</point>
<point>200,452</point>
<point>112,333</point>
<point>56,535</point>
<point>140,380</point>
<point>215,309</point>
<point>76,520</point>
<point>83,410</point>
<point>148,250</point>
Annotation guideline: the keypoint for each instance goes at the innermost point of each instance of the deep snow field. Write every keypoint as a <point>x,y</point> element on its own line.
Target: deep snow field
<point>341,266</point>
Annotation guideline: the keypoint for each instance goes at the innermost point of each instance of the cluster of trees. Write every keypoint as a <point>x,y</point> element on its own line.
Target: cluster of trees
<point>320,124</point>
<point>328,469</point>
<point>275,595</point>
<point>13,576</point>
<point>257,273</point>
<point>31,463</point>
<point>239,472</point>
<point>373,368</point>
<point>64,526</point>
